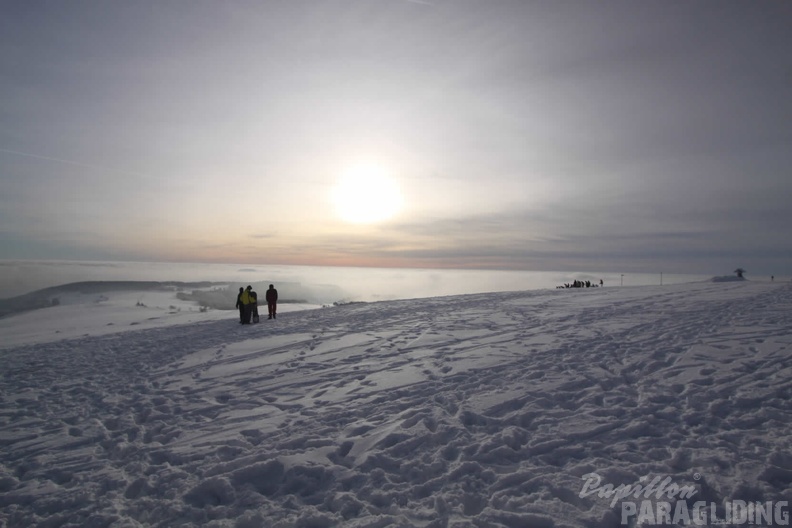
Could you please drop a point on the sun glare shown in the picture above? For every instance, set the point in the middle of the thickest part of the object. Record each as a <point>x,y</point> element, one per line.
<point>366,194</point>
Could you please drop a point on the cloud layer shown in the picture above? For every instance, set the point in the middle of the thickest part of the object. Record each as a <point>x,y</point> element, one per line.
<point>537,135</point>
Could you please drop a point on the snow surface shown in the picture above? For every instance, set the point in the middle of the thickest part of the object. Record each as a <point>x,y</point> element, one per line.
<point>475,410</point>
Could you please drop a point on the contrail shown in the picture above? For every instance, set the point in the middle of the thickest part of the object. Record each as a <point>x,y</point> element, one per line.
<point>68,162</point>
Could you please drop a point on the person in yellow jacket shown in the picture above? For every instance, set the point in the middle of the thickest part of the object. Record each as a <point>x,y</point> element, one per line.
<point>247,302</point>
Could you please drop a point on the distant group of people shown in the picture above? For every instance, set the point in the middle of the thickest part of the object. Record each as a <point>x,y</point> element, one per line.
<point>247,303</point>
<point>582,284</point>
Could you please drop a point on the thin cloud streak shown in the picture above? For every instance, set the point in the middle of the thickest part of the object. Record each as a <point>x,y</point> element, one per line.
<point>73,163</point>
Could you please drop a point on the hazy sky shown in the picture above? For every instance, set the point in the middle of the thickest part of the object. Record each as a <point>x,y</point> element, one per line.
<point>589,135</point>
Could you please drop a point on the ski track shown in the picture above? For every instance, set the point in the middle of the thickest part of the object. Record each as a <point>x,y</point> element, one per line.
<point>477,410</point>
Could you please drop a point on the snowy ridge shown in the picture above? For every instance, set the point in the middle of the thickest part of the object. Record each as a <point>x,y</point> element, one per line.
<point>477,410</point>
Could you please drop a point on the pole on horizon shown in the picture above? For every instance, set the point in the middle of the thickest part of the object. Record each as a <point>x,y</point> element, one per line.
<point>622,279</point>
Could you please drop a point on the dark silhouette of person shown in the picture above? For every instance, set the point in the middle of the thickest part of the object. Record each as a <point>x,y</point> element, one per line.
<point>241,306</point>
<point>272,302</point>
<point>254,306</point>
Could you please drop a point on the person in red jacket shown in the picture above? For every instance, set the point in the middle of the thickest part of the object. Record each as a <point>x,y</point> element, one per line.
<point>272,301</point>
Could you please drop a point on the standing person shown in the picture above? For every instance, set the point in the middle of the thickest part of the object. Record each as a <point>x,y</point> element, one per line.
<point>272,301</point>
<point>246,303</point>
<point>254,305</point>
<point>241,306</point>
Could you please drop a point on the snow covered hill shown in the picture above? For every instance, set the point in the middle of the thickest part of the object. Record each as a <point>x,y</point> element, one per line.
<point>521,409</point>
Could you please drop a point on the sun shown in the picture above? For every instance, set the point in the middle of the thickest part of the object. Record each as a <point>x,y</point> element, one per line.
<point>366,194</point>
